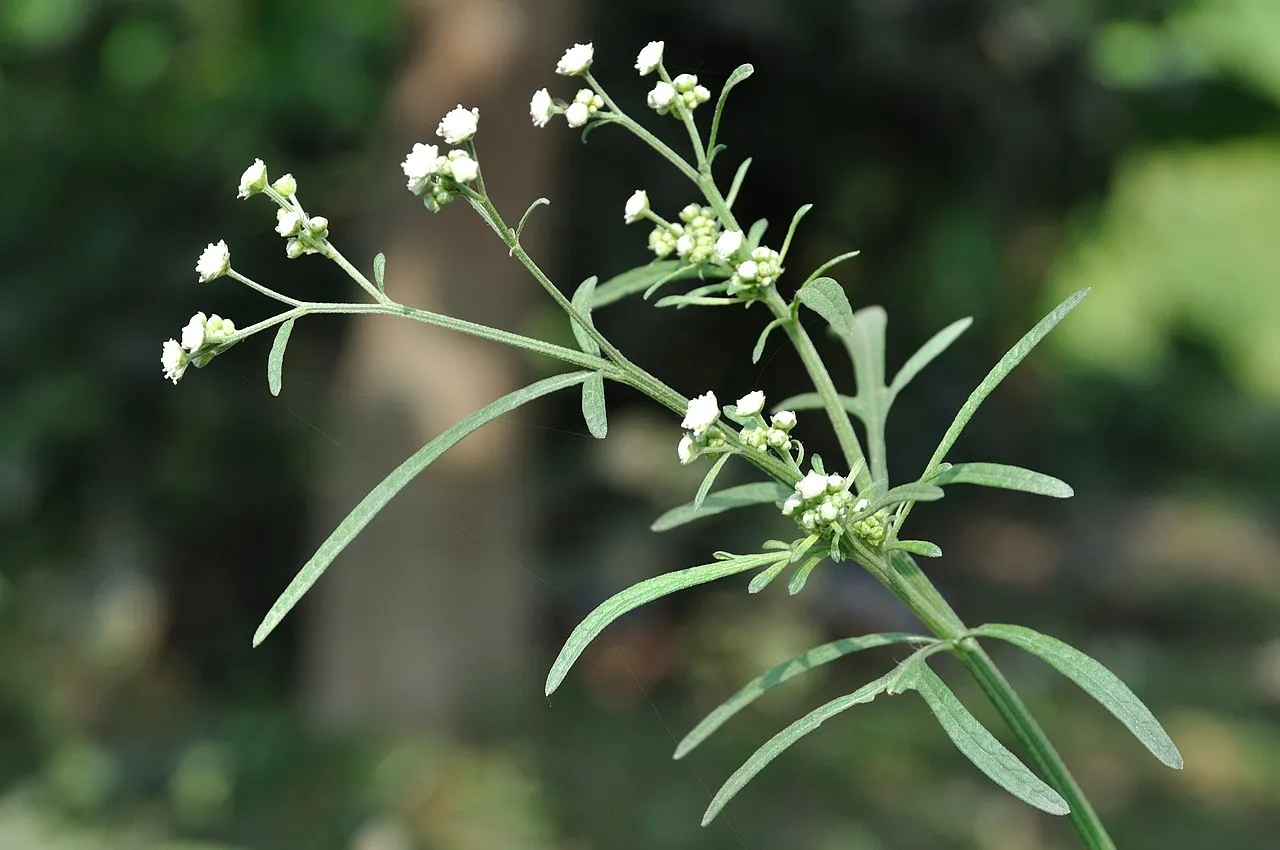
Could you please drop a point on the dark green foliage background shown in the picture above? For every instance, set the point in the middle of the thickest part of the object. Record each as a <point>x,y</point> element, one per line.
<point>970,148</point>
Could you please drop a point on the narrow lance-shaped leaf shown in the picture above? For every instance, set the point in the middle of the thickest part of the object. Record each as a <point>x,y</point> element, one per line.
<point>937,344</point>
<point>639,594</point>
<point>758,351</point>
<point>1001,370</point>
<point>797,730</point>
<point>813,401</point>
<point>827,298</point>
<point>1097,681</point>
<point>639,279</point>
<point>380,271</point>
<point>593,410</point>
<point>865,344</point>
<point>981,747</point>
<point>801,576</point>
<point>913,492</point>
<point>829,264</point>
<point>792,667</point>
<point>765,577</point>
<point>708,480</point>
<point>739,74</point>
<point>1004,477</point>
<point>916,547</point>
<point>583,298</point>
<point>380,495</point>
<point>744,495</point>
<point>736,185</point>
<point>755,234</point>
<point>275,360</point>
<point>791,231</point>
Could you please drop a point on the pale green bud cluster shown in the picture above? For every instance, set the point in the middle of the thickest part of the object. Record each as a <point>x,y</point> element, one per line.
<point>759,271</point>
<point>436,177</point>
<point>663,238</point>
<point>873,528</point>
<point>776,435</point>
<point>697,242</point>
<point>584,107</point>
<point>201,335</point>
<point>688,90</point>
<point>820,502</point>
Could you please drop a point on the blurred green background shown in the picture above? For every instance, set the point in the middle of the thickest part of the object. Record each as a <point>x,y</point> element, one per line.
<point>987,156</point>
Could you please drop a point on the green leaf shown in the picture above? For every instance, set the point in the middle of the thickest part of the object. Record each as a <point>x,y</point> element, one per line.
<point>593,410</point>
<point>764,578</point>
<point>741,496</point>
<point>639,279</point>
<point>1097,681</point>
<point>1005,477</point>
<point>767,681</point>
<point>738,177</point>
<point>865,344</point>
<point>937,344</point>
<point>918,547</point>
<point>981,747</point>
<point>826,298</point>
<point>739,74</point>
<point>529,211</point>
<point>791,231</point>
<point>779,742</point>
<point>755,234</point>
<point>801,576</point>
<point>275,360</point>
<point>829,264</point>
<point>998,374</point>
<point>758,351</point>
<point>583,298</point>
<point>380,495</point>
<point>679,301</point>
<point>708,480</point>
<point>813,401</point>
<point>639,594</point>
<point>916,491</point>
<point>380,271</point>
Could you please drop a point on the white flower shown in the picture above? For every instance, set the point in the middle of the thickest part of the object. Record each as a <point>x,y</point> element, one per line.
<point>286,186</point>
<point>214,261</point>
<point>660,98</point>
<point>728,244</point>
<point>650,58</point>
<point>317,226</point>
<point>834,483</point>
<point>464,168</point>
<point>541,108</point>
<point>458,125</point>
<point>420,166</point>
<point>685,83</point>
<point>784,420</point>
<point>701,413</point>
<point>861,505</point>
<point>193,333</point>
<point>751,403</point>
<point>576,60</point>
<point>812,485</point>
<point>294,249</point>
<point>637,206</point>
<point>684,245</point>
<point>828,512</point>
<point>687,450</point>
<point>577,114</point>
<point>701,94</point>
<point>173,359</point>
<point>254,179</point>
<point>791,504</point>
<point>288,222</point>
<point>748,269</point>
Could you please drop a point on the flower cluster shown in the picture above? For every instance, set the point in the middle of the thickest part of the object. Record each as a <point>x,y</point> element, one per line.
<point>438,177</point>
<point>701,413</point>
<point>776,434</point>
<point>694,240</point>
<point>684,89</point>
<point>214,262</point>
<point>199,337</point>
<point>586,104</point>
<point>823,504</point>
<point>758,272</point>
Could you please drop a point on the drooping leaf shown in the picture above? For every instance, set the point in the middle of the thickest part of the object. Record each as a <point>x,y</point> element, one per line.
<point>583,298</point>
<point>380,271</point>
<point>827,298</point>
<point>739,74</point>
<point>981,747</point>
<point>765,577</point>
<point>524,219</point>
<point>801,576</point>
<point>707,480</point>
<point>779,742</point>
<point>999,372</point>
<point>741,496</point>
<point>937,344</point>
<point>1004,477</point>
<point>639,279</point>
<point>917,547</point>
<point>865,343</point>
<point>736,185</point>
<point>639,594</point>
<point>772,678</point>
<point>380,495</point>
<point>791,231</point>
<point>758,351</point>
<point>1097,681</point>
<point>593,410</point>
<point>275,360</point>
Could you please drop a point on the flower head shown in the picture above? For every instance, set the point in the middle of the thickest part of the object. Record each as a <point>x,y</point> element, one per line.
<point>288,222</point>
<point>286,185</point>
<point>687,450</point>
<point>728,244</point>
<point>193,333</point>
<point>463,168</point>
<point>214,261</point>
<point>812,485</point>
<point>174,360</point>
<point>420,166</point>
<point>458,125</point>
<point>783,420</point>
<point>576,60</point>
<point>751,403</point>
<point>541,108</point>
<point>637,206</point>
<point>650,58</point>
<point>701,414</point>
<point>577,114</point>
<point>254,179</point>
<point>661,97</point>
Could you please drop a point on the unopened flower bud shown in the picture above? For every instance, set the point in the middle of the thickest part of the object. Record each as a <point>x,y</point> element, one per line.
<point>254,179</point>
<point>286,186</point>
